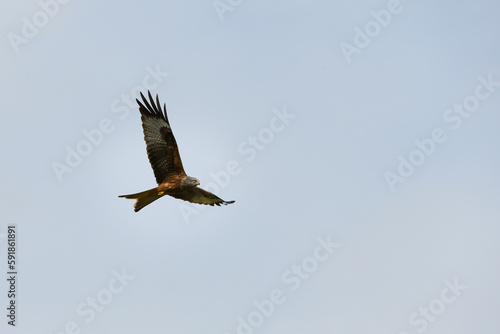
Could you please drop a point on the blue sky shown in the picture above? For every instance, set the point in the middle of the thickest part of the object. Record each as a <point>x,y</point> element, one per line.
<point>365,182</point>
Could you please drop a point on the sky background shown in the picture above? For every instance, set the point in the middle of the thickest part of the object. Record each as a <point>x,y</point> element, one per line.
<point>320,175</point>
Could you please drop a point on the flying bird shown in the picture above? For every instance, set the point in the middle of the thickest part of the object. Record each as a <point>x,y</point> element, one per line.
<point>165,160</point>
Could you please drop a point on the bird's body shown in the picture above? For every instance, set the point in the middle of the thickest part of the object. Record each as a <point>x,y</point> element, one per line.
<point>164,157</point>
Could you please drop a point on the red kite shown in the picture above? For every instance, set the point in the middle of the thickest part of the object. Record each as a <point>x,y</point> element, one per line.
<point>166,162</point>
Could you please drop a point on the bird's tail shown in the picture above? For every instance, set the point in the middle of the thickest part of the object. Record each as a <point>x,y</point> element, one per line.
<point>144,198</point>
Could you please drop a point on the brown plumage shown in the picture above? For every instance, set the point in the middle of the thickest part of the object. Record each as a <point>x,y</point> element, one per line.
<point>165,160</point>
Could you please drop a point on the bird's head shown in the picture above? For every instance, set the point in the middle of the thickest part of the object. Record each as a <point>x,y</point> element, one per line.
<point>190,182</point>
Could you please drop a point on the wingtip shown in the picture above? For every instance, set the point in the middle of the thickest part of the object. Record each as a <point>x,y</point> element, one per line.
<point>152,107</point>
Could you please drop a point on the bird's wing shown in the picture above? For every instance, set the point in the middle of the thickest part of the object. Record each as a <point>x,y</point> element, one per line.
<point>163,152</point>
<point>200,196</point>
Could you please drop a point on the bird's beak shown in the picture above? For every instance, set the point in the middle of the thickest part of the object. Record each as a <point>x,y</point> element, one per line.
<point>197,183</point>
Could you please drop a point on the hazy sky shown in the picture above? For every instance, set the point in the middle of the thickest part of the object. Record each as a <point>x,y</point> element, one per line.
<point>359,140</point>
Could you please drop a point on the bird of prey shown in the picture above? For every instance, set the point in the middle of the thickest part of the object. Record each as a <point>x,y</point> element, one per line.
<point>166,162</point>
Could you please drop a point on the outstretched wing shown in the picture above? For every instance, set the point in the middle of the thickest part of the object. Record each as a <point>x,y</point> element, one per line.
<point>200,196</point>
<point>162,148</point>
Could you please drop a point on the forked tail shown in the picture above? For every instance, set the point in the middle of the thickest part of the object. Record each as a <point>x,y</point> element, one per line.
<point>143,198</point>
